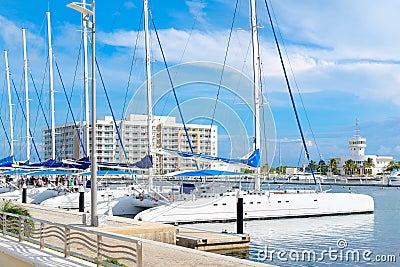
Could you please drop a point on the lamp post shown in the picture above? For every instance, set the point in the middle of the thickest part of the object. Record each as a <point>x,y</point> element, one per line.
<point>81,7</point>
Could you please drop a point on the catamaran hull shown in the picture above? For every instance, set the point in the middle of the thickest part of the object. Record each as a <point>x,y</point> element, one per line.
<point>260,205</point>
<point>117,200</point>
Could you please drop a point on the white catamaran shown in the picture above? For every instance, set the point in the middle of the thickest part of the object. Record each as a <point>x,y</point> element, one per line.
<point>258,204</point>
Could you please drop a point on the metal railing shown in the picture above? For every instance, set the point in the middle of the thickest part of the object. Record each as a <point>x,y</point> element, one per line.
<point>94,246</point>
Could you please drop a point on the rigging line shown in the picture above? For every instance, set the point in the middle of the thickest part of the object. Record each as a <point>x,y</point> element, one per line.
<point>223,67</point>
<point>23,113</point>
<point>173,89</point>
<point>1,103</point>
<point>40,102</point>
<point>69,107</point>
<point>184,51</point>
<point>39,107</point>
<point>72,88</point>
<point>190,33</point>
<point>295,82</point>
<point>5,132</point>
<point>291,96</point>
<point>300,157</point>
<point>131,67</point>
<point>112,112</point>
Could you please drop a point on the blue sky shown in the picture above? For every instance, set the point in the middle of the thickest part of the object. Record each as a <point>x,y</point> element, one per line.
<point>344,56</point>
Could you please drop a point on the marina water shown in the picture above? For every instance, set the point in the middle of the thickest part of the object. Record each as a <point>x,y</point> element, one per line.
<point>349,240</point>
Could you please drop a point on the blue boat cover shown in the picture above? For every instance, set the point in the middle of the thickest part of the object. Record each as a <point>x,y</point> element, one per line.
<point>16,172</point>
<point>253,160</point>
<point>106,172</point>
<point>208,173</point>
<point>51,172</point>
<point>7,161</point>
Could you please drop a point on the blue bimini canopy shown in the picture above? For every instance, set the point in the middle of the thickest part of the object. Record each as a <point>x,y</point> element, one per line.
<point>208,173</point>
<point>107,172</point>
<point>51,172</point>
<point>251,160</point>
<point>16,172</point>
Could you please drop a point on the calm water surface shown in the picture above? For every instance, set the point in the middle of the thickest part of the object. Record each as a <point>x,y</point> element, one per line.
<point>351,240</point>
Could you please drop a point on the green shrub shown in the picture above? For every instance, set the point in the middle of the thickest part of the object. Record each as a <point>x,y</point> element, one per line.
<point>13,221</point>
<point>115,262</point>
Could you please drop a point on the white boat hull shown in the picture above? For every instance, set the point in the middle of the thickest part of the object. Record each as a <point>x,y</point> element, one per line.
<point>260,205</point>
<point>120,201</point>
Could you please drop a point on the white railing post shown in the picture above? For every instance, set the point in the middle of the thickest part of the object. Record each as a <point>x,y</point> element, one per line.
<point>20,229</point>
<point>99,257</point>
<point>41,238</point>
<point>139,259</point>
<point>4,224</point>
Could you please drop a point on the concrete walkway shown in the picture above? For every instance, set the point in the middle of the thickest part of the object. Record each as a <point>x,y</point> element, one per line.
<point>154,253</point>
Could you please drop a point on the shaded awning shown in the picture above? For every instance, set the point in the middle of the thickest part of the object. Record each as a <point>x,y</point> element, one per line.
<point>51,172</point>
<point>107,172</point>
<point>16,172</point>
<point>207,173</point>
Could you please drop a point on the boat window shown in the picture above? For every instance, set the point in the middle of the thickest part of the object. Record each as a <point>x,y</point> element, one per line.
<point>251,202</point>
<point>279,201</point>
<point>223,204</point>
<point>315,200</point>
<point>258,202</point>
<point>287,201</point>
<point>215,204</point>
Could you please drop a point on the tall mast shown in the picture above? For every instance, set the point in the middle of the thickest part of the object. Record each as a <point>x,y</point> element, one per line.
<point>149,100</point>
<point>51,87</point>
<point>9,104</point>
<point>256,86</point>
<point>86,79</point>
<point>93,155</point>
<point>28,141</point>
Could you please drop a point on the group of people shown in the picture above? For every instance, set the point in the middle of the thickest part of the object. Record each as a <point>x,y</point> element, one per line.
<point>36,182</point>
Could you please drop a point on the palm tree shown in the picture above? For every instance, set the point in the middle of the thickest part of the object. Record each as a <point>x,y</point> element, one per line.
<point>313,164</point>
<point>367,165</point>
<point>333,166</point>
<point>392,165</point>
<point>350,166</point>
<point>322,167</point>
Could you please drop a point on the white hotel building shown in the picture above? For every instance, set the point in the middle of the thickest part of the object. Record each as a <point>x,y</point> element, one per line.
<point>167,133</point>
<point>357,146</point>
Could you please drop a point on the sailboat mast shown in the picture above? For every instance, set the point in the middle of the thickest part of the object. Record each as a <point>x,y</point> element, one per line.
<point>149,100</point>
<point>51,87</point>
<point>9,104</point>
<point>28,141</point>
<point>256,86</point>
<point>86,78</point>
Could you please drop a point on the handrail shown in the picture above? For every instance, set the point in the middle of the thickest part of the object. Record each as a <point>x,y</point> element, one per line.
<point>94,246</point>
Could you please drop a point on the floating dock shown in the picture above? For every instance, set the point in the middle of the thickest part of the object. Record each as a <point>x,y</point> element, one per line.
<point>211,241</point>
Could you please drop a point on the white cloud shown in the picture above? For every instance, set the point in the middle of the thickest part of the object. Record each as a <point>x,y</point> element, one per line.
<point>9,32</point>
<point>196,8</point>
<point>129,5</point>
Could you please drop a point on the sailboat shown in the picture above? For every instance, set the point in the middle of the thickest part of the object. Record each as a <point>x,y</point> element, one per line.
<point>124,200</point>
<point>258,203</point>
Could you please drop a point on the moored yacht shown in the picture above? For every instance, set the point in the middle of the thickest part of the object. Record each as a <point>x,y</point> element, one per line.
<point>257,203</point>
<point>394,175</point>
